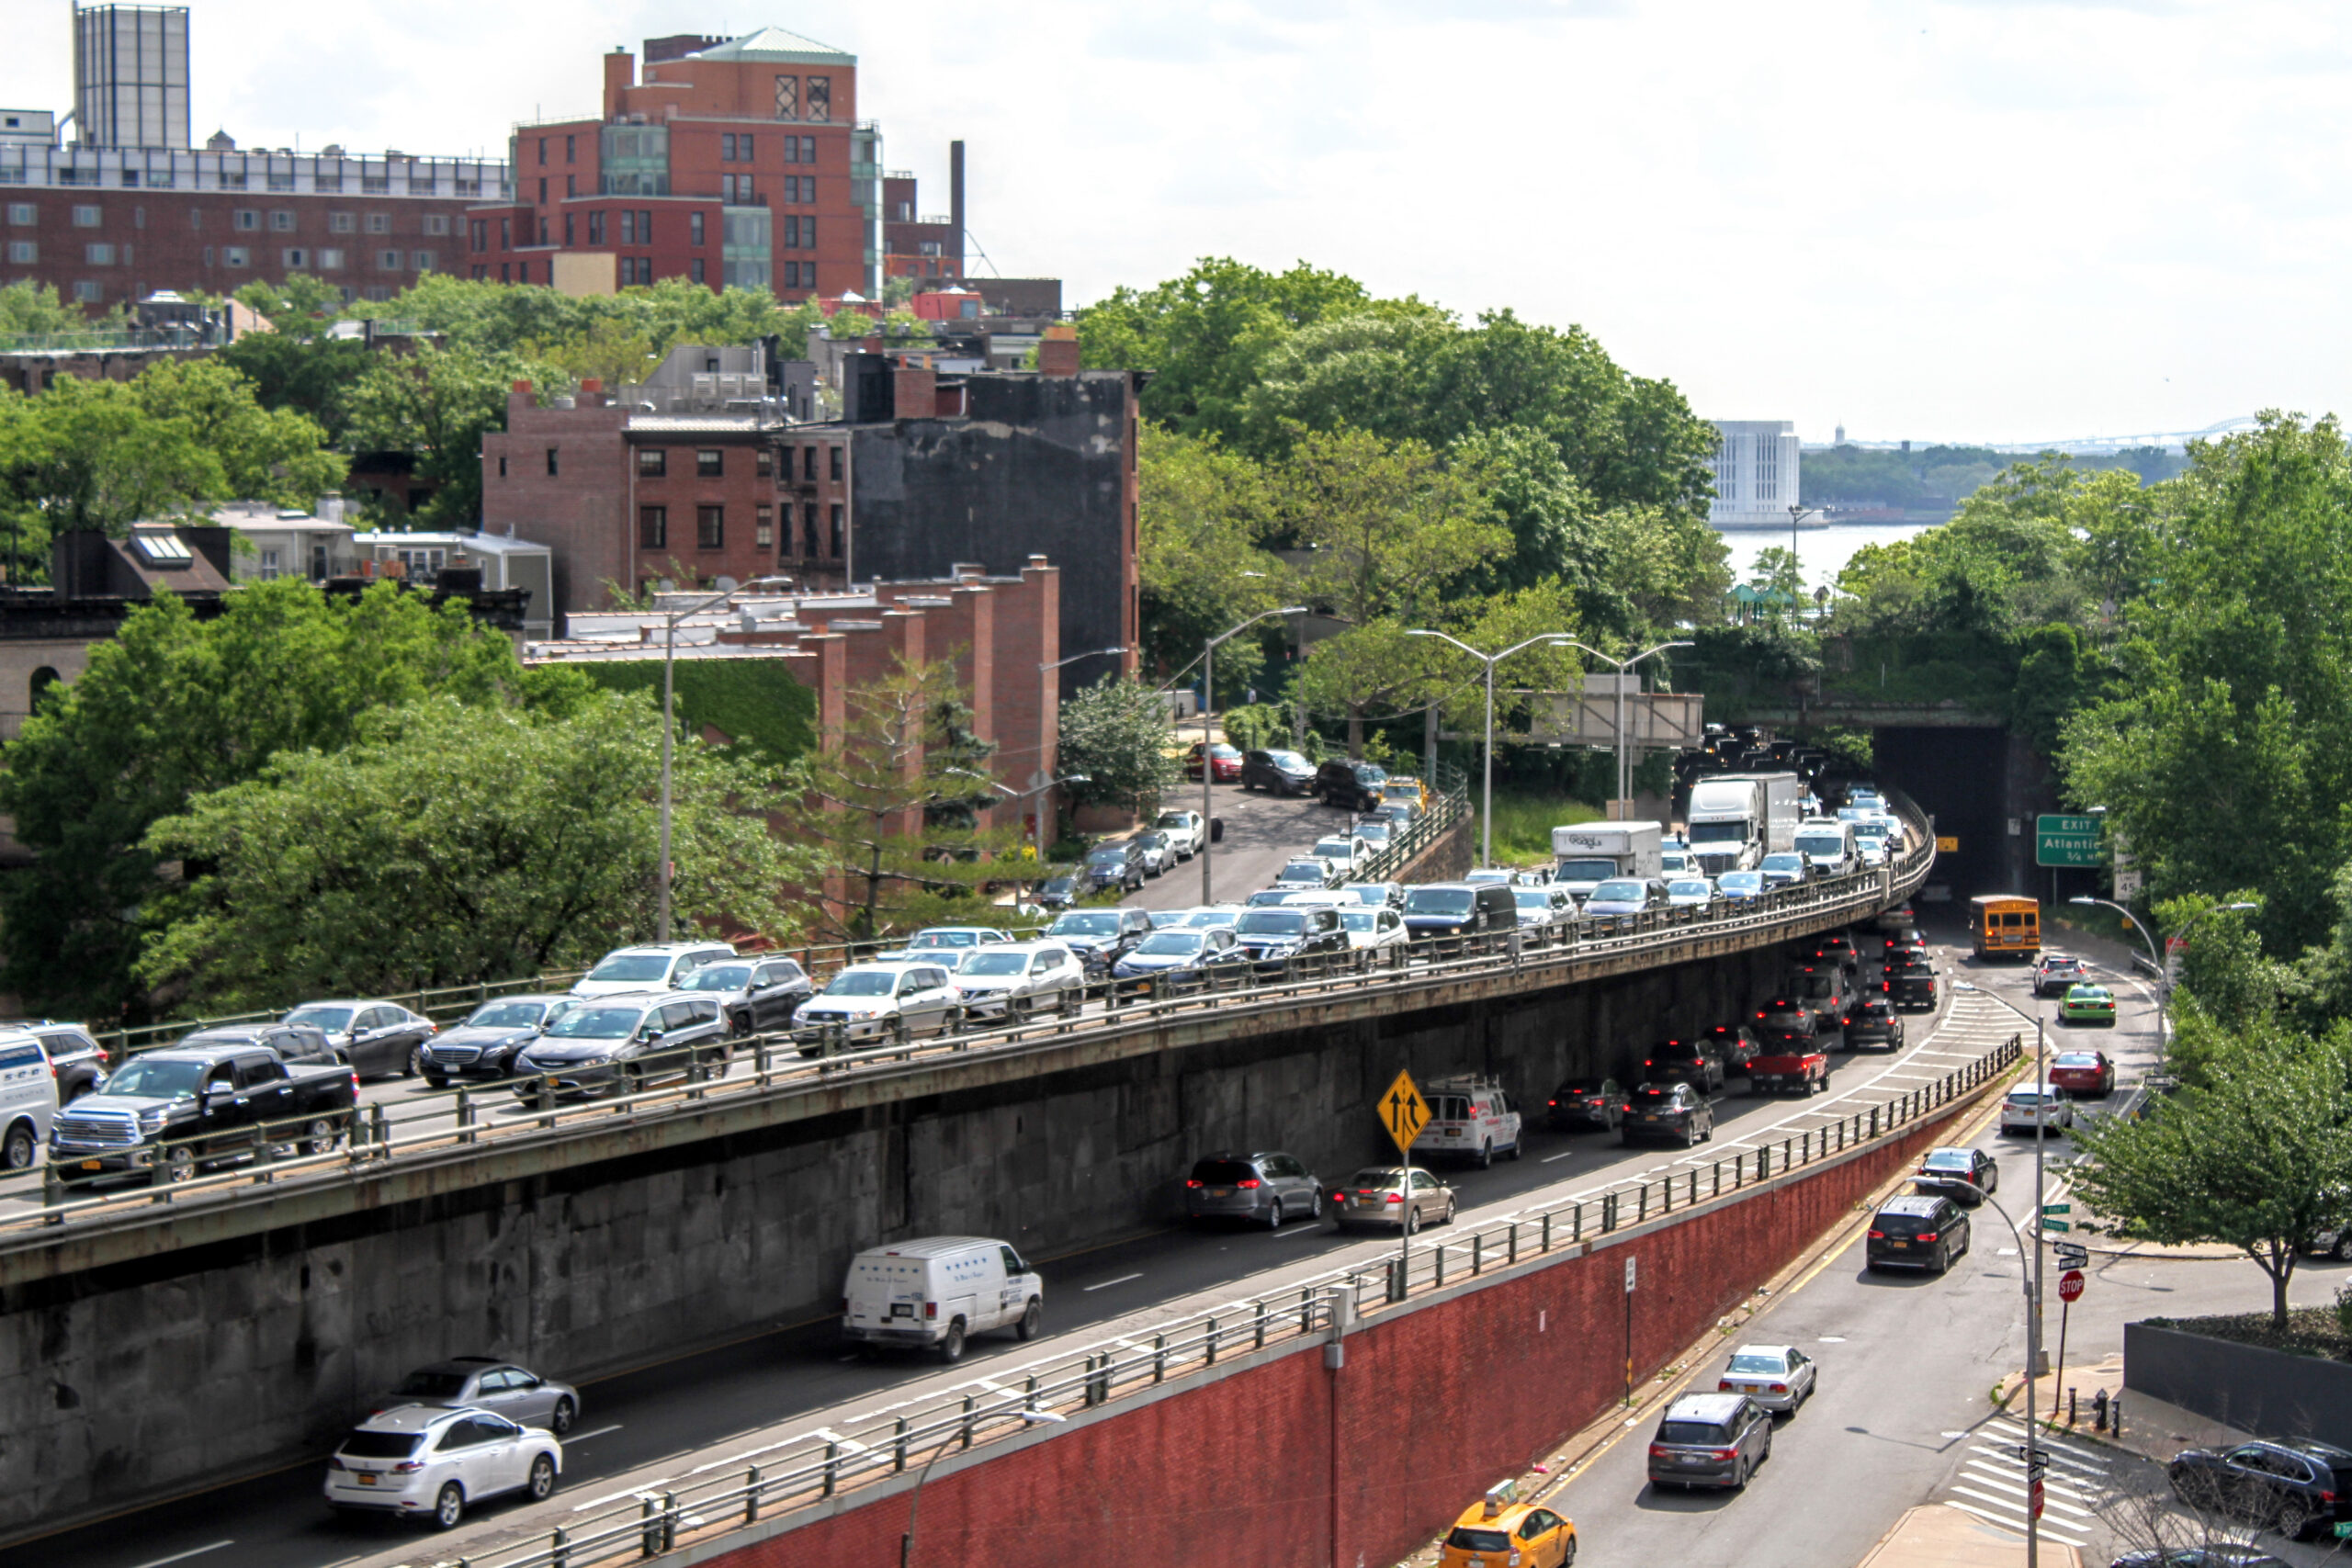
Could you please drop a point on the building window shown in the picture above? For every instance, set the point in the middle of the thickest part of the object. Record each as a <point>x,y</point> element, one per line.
<point>387,260</point>
<point>595,228</point>
<point>552,461</point>
<point>807,149</point>
<point>1768,468</point>
<point>236,256</point>
<point>726,148</point>
<point>543,152</point>
<point>763,464</point>
<point>88,293</point>
<point>245,220</point>
<point>694,228</point>
<point>572,148</point>
<point>711,527</point>
<point>281,222</point>
<point>294,256</point>
<point>628,227</point>
<point>139,221</point>
<point>645,228</point>
<point>710,464</point>
<point>543,190</point>
<point>570,186</point>
<point>208,255</point>
<point>792,148</point>
<point>506,233</point>
<point>341,223</point>
<point>436,222</point>
<point>23,214</point>
<point>501,465</point>
<point>522,271</point>
<point>694,270</point>
<point>330,260</point>
<point>837,531</point>
<point>422,260</point>
<point>809,527</point>
<point>833,459</point>
<point>763,528</point>
<point>504,270</point>
<point>653,528</point>
<point>568,239</point>
<point>652,462</point>
<point>820,97</point>
<point>87,218</point>
<point>379,223</point>
<point>808,237</point>
<point>744,153</point>
<point>23,253</point>
<point>99,255</point>
<point>269,572</point>
<point>787,97</point>
<point>809,463</point>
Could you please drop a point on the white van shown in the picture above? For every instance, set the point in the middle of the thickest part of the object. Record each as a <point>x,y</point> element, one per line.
<point>1828,846</point>
<point>28,1098</point>
<point>1469,1117</point>
<point>936,1293</point>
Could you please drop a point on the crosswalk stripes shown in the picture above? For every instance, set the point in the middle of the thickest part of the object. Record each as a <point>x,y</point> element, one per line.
<point>1991,1483</point>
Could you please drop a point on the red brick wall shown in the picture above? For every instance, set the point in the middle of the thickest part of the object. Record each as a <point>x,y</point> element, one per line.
<point>1432,1406</point>
<point>581,511</point>
<point>170,238</point>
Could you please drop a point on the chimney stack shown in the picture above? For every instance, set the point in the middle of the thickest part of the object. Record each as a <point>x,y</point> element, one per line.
<point>956,199</point>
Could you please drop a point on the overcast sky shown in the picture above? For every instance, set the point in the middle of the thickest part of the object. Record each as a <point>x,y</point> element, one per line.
<point>1971,220</point>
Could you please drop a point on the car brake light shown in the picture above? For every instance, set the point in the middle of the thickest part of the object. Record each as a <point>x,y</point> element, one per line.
<point>1723,1385</point>
<point>334,1461</point>
<point>1780,1388</point>
<point>931,1309</point>
<point>1927,1235</point>
<point>408,1467</point>
<point>1552,1103</point>
<point>1878,1236</point>
<point>1722,1453</point>
<point>1395,1197</point>
<point>1252,1182</point>
<point>1657,1451</point>
<point>845,1306</point>
<point>1191,1184</point>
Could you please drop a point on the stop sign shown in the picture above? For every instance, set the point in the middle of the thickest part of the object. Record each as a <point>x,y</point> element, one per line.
<point>2069,1285</point>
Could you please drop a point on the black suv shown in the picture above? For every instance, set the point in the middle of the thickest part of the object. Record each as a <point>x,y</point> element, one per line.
<point>1586,1102</point>
<point>1785,1024</point>
<point>1684,1061</point>
<point>1117,865</point>
<point>1271,937</point>
<point>1355,785</point>
<point>2292,1486</point>
<point>1958,1172</point>
<point>1283,773</point>
<point>1909,980</point>
<point>1668,1111</point>
<point>1734,1042</point>
<point>1874,1022</point>
<point>1916,1233</point>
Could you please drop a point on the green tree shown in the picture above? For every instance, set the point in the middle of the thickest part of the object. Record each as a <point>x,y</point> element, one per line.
<point>87,455</point>
<point>301,308</point>
<point>437,405</point>
<point>172,707</point>
<point>264,454</point>
<point>29,307</point>
<point>448,845</point>
<point>887,809</point>
<point>1118,734</point>
<point>1205,514</point>
<point>2255,1158</point>
<point>312,377</point>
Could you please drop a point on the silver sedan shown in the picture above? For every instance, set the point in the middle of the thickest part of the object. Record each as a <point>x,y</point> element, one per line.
<point>1378,1196</point>
<point>487,1384</point>
<point>1777,1377</point>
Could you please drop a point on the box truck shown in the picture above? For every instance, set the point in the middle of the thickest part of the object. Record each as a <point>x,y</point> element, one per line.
<point>1736,819</point>
<point>1589,854</point>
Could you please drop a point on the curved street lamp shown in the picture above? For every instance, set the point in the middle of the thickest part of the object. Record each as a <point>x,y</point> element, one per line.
<point>1487,811</point>
<point>1027,1415</point>
<point>1208,700</point>
<point>1625,778</point>
<point>2164,975</point>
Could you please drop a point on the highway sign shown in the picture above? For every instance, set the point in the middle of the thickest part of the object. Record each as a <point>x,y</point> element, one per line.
<point>1946,843</point>
<point>2065,840</point>
<point>2069,1285</point>
<point>1629,1274</point>
<point>1404,1112</point>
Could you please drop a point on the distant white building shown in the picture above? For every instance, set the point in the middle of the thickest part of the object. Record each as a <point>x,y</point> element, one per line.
<point>1755,473</point>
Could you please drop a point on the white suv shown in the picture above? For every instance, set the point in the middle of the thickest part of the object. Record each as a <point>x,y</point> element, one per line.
<point>870,1001</point>
<point>655,966</point>
<point>1015,979</point>
<point>1184,831</point>
<point>426,1461</point>
<point>1470,1117</point>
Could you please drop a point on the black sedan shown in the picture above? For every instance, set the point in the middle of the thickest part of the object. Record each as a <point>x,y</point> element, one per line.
<point>1683,1061</point>
<point>484,1046</point>
<point>2292,1486</point>
<point>1965,1174</point>
<point>1280,773</point>
<point>1671,1111</point>
<point>1735,1044</point>
<point>373,1038</point>
<point>1586,1103</point>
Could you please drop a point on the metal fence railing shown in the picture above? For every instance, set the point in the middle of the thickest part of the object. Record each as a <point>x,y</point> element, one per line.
<point>810,1062</point>
<point>815,1467</point>
<point>1451,805</point>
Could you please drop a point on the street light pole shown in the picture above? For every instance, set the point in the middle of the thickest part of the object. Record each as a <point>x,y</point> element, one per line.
<point>1032,1417</point>
<point>1208,760</point>
<point>1625,774</point>
<point>669,661</point>
<point>1036,818</point>
<point>1487,811</point>
<point>2032,1348</point>
<point>2164,974</point>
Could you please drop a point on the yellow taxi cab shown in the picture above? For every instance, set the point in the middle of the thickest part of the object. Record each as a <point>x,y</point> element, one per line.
<point>1500,1531</point>
<point>1405,787</point>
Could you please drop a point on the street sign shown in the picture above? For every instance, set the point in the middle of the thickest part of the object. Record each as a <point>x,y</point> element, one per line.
<point>2049,1225</point>
<point>1629,1274</point>
<point>2065,840</point>
<point>2057,1208</point>
<point>2128,885</point>
<point>2069,1285</point>
<point>2071,1256</point>
<point>1404,1112</point>
<point>1946,843</point>
<point>2344,1530</point>
<point>2033,1496</point>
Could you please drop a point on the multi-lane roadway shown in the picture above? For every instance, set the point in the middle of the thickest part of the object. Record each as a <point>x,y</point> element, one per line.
<point>674,1415</point>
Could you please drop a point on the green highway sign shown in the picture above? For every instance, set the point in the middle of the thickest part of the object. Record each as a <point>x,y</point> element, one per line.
<point>2057,1208</point>
<point>2065,840</point>
<point>2056,1225</point>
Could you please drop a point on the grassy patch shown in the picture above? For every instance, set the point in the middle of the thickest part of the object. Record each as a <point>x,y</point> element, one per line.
<point>1523,823</point>
<point>2310,1331</point>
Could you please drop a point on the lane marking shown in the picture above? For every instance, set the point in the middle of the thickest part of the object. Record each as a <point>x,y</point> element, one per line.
<point>1108,1283</point>
<point>183,1556</point>
<point>1547,1159</point>
<point>583,1437</point>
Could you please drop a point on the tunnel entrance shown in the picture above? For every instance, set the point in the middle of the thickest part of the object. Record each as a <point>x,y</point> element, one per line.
<point>1958,776</point>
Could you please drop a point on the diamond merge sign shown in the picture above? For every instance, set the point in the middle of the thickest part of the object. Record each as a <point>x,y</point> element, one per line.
<point>2065,840</point>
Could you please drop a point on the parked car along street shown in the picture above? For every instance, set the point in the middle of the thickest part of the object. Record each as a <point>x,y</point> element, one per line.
<point>1279,772</point>
<point>1119,866</point>
<point>1226,761</point>
<point>2294,1486</point>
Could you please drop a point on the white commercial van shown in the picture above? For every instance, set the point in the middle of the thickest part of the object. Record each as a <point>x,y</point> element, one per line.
<point>1828,846</point>
<point>936,1293</point>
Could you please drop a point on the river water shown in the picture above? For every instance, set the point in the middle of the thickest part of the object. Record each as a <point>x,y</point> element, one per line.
<point>1824,552</point>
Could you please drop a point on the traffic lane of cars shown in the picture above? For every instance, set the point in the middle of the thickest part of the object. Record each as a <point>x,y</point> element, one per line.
<point>1262,833</point>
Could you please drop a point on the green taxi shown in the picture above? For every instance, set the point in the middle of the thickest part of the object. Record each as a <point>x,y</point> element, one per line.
<point>2087,1004</point>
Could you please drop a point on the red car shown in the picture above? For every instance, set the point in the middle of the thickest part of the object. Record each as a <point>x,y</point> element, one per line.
<point>2084,1072</point>
<point>1225,760</point>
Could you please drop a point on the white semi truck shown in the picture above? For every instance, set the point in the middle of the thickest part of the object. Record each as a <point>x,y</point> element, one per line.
<point>1736,819</point>
<point>1589,854</point>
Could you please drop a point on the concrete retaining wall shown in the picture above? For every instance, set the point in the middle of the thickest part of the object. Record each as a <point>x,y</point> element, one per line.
<point>2269,1392</point>
<point>126,1381</point>
<point>1309,1467</point>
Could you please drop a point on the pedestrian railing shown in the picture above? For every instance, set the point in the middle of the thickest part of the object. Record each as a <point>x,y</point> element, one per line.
<point>691,1081</point>
<point>815,1467</point>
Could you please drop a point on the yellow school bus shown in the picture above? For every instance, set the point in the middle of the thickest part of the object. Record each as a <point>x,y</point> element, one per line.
<point>2004,925</point>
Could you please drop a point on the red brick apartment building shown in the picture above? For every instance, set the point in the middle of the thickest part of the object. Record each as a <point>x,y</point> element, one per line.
<point>733,161</point>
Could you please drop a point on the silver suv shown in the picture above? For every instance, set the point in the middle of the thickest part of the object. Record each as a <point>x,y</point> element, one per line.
<point>617,1045</point>
<point>1264,1188</point>
<point>1013,979</point>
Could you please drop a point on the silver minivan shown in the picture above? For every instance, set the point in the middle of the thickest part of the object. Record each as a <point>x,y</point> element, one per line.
<point>27,1099</point>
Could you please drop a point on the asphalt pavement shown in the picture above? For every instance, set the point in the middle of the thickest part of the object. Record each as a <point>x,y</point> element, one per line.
<point>1262,833</point>
<point>661,1422</point>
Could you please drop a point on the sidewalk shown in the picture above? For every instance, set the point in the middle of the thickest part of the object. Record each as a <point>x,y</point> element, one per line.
<point>2151,1428</point>
<point>1940,1536</point>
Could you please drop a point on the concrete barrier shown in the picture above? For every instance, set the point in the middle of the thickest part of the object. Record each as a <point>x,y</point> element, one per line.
<point>2272,1394</point>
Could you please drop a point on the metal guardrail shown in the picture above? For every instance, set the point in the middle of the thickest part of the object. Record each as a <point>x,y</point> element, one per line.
<point>813,1469</point>
<point>1453,803</point>
<point>784,1064</point>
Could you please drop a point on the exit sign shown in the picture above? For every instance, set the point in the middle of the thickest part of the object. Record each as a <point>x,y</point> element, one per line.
<point>2065,840</point>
